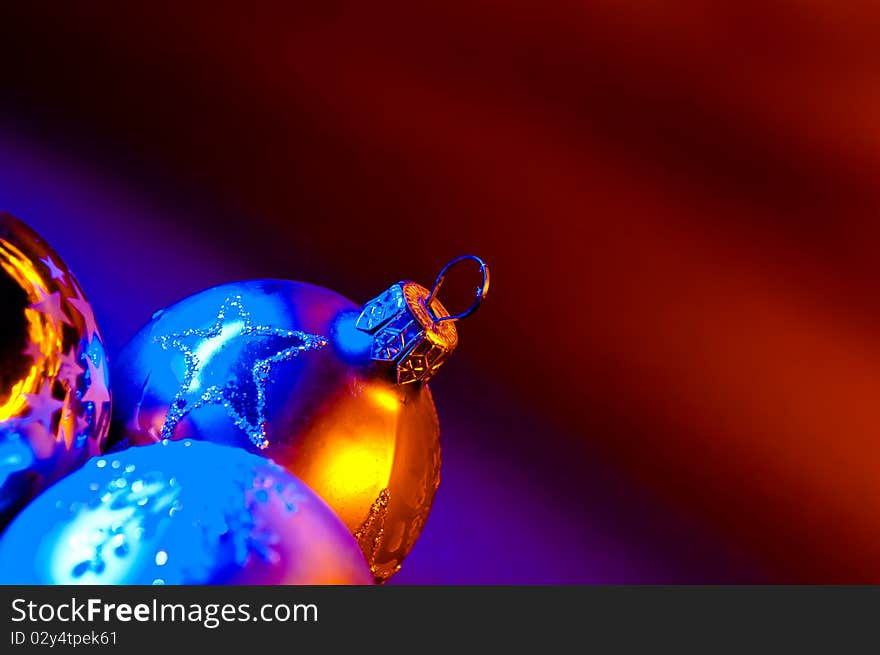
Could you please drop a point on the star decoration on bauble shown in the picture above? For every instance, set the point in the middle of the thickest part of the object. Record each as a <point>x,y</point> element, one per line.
<point>54,271</point>
<point>43,405</point>
<point>81,424</point>
<point>229,364</point>
<point>70,368</point>
<point>85,309</point>
<point>97,391</point>
<point>51,305</point>
<point>33,351</point>
<point>72,428</point>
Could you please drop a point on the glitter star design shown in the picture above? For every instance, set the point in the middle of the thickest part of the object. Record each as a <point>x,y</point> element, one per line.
<point>85,310</point>
<point>43,405</point>
<point>239,386</point>
<point>51,305</point>
<point>54,271</point>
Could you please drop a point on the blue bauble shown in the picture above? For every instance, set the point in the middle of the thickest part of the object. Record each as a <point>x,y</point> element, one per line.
<point>180,513</point>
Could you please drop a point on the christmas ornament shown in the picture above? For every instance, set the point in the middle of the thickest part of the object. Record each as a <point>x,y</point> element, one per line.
<point>180,513</point>
<point>334,392</point>
<point>54,395</point>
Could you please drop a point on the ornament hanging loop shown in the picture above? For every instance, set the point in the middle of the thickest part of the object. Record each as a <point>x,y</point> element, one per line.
<point>411,328</point>
<point>481,293</point>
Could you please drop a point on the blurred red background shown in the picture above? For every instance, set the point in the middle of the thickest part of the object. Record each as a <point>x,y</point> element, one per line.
<point>679,363</point>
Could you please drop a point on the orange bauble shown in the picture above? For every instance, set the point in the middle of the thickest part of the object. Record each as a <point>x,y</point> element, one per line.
<point>334,392</point>
<point>54,389</point>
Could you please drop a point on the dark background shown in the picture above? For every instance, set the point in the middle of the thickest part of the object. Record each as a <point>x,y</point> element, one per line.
<point>675,377</point>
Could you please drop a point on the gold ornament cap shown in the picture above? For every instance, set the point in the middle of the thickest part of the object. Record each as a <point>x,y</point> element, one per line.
<point>412,329</point>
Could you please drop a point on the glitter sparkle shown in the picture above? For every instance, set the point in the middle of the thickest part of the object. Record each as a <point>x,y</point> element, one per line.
<point>209,378</point>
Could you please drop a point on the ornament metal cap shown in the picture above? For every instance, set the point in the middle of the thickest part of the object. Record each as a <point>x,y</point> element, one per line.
<point>412,329</point>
